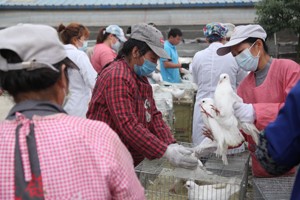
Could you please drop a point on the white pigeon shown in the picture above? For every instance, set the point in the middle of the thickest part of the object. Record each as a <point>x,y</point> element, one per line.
<point>221,191</point>
<point>224,98</point>
<point>211,122</point>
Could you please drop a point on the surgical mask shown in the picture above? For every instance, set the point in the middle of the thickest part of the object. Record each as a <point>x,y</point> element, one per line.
<point>247,61</point>
<point>84,46</point>
<point>116,46</point>
<point>146,69</point>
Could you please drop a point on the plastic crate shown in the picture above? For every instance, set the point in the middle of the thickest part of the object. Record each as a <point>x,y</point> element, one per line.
<point>183,124</point>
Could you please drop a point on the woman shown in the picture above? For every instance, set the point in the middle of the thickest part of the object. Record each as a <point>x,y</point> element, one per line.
<point>109,40</point>
<point>207,67</point>
<point>46,154</point>
<point>279,147</point>
<point>265,89</point>
<point>82,81</point>
<point>123,99</point>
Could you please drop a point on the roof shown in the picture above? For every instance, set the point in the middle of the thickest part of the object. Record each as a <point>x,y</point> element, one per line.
<point>117,4</point>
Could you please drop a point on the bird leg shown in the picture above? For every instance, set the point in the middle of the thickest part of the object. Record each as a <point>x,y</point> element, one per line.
<point>215,109</point>
<point>205,112</point>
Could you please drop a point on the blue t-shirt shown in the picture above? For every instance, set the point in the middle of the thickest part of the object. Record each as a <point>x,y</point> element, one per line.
<point>171,75</point>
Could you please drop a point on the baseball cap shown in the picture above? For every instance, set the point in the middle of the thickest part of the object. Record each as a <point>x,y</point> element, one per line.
<point>151,36</point>
<point>241,33</point>
<point>214,29</point>
<point>37,45</point>
<point>116,30</point>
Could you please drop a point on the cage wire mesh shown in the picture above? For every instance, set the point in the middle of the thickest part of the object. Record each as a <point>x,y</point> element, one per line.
<point>215,181</point>
<point>276,188</point>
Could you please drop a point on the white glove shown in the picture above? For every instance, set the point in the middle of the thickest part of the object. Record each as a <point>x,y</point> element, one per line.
<point>180,156</point>
<point>244,112</point>
<point>157,77</point>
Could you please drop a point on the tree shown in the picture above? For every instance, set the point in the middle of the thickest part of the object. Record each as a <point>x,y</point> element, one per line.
<point>276,15</point>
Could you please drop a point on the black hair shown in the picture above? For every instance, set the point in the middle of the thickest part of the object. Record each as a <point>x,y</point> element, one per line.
<point>101,37</point>
<point>126,50</point>
<point>251,40</point>
<point>174,32</point>
<point>21,81</point>
<point>214,38</point>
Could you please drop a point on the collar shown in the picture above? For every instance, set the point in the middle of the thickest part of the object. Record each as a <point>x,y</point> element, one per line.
<point>30,108</point>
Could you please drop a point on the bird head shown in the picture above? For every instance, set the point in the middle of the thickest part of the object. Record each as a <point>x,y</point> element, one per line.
<point>190,185</point>
<point>223,77</point>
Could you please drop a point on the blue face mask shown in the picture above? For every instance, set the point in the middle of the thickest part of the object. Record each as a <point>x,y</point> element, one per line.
<point>84,46</point>
<point>247,61</point>
<point>146,69</point>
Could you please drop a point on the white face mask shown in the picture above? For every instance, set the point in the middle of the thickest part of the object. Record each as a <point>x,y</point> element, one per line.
<point>116,46</point>
<point>247,61</point>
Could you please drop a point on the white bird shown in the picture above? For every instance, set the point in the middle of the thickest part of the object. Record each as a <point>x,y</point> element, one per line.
<point>224,98</point>
<point>209,116</point>
<point>221,191</point>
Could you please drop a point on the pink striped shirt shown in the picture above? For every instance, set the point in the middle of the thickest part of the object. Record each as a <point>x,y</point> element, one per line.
<point>79,159</point>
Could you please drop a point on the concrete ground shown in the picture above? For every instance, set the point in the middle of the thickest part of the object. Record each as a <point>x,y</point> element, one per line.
<point>5,105</point>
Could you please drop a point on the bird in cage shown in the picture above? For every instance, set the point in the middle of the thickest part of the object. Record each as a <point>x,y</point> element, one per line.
<point>220,191</point>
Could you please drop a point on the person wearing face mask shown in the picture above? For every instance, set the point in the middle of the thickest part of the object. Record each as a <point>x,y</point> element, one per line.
<point>46,153</point>
<point>108,43</point>
<point>82,81</point>
<point>207,67</point>
<point>123,99</point>
<point>267,85</point>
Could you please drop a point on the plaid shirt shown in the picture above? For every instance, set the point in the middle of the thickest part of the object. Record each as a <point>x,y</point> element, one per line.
<point>125,102</point>
<point>79,159</point>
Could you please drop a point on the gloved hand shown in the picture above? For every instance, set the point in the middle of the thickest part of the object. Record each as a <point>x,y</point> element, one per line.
<point>244,112</point>
<point>180,156</point>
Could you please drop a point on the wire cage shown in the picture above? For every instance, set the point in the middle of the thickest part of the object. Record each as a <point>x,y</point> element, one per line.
<point>214,181</point>
<point>276,188</point>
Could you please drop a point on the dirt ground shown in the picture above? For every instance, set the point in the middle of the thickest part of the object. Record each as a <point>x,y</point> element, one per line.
<point>5,105</point>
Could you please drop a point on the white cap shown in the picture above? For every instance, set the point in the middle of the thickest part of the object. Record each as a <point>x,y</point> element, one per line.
<point>117,31</point>
<point>37,45</point>
<point>241,33</point>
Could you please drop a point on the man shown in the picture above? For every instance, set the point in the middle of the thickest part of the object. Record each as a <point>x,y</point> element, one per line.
<point>170,69</point>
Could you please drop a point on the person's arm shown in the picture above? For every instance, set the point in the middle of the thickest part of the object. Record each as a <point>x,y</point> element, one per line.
<point>87,71</point>
<point>121,104</point>
<point>170,64</point>
<point>279,146</point>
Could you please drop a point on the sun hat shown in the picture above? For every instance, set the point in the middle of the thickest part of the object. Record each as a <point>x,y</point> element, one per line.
<point>241,33</point>
<point>37,45</point>
<point>151,36</point>
<point>117,31</point>
<point>230,28</point>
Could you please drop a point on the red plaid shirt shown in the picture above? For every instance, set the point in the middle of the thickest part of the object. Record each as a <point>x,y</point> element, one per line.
<point>79,159</point>
<point>125,102</point>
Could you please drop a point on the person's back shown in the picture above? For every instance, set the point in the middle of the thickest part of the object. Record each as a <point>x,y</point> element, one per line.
<point>82,81</point>
<point>207,67</point>
<point>45,153</point>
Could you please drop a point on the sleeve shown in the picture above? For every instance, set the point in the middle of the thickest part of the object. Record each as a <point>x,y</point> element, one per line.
<point>283,134</point>
<point>266,160</point>
<point>160,128</point>
<point>168,50</point>
<point>87,71</point>
<point>120,99</point>
<point>124,182</point>
<point>267,112</point>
